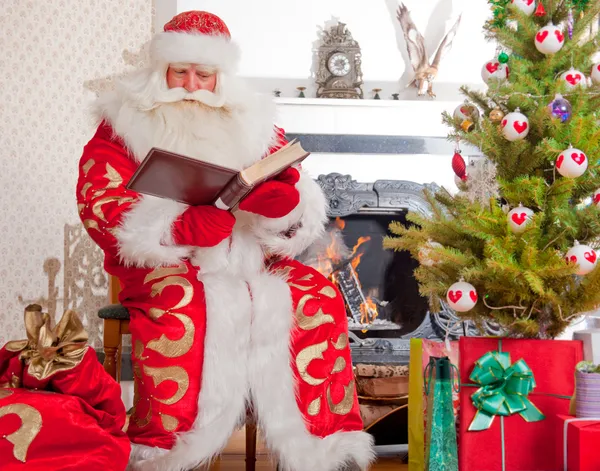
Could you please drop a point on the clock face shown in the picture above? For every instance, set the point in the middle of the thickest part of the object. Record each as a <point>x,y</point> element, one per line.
<point>339,64</point>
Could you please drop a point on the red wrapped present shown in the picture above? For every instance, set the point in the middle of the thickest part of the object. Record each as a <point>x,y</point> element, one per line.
<point>577,443</point>
<point>516,384</point>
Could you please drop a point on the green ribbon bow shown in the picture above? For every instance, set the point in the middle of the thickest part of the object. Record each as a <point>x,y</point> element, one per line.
<point>503,390</point>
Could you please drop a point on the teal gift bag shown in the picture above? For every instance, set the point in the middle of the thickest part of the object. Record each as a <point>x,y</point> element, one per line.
<point>441,452</point>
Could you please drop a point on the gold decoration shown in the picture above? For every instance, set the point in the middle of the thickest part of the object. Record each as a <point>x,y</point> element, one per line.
<point>87,166</point>
<point>175,348</point>
<point>306,277</point>
<point>97,207</point>
<point>15,382</point>
<point>170,373</point>
<point>80,208</point>
<point>91,224</point>
<point>339,366</point>
<point>342,341</point>
<point>188,289</point>
<point>48,350</point>
<point>496,116</point>
<point>304,358</point>
<point>314,407</point>
<point>300,287</point>
<point>162,272</point>
<point>329,291</point>
<point>115,179</point>
<point>4,393</point>
<point>311,322</point>
<point>31,424</point>
<point>283,273</point>
<point>169,422</point>
<point>345,405</point>
<point>138,350</point>
<point>85,189</point>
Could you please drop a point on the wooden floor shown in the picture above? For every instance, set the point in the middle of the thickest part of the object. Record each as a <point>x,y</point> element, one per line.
<point>233,458</point>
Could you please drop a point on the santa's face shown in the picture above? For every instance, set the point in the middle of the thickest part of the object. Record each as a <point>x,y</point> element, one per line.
<point>191,77</point>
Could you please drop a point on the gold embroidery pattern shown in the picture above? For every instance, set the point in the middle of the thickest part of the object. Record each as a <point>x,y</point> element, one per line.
<point>345,406</point>
<point>314,407</point>
<point>311,322</point>
<point>170,373</point>
<point>328,291</point>
<point>87,166</point>
<point>114,178</point>
<point>4,393</point>
<point>339,366</point>
<point>91,224</point>
<point>97,207</point>
<point>138,350</point>
<point>31,424</point>
<point>188,289</point>
<point>342,341</point>
<point>169,423</point>
<point>175,348</point>
<point>161,272</point>
<point>304,358</point>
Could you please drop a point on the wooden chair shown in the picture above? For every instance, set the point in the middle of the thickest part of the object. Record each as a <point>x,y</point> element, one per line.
<point>116,325</point>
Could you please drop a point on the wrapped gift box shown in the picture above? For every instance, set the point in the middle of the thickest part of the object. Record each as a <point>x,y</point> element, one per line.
<point>510,443</point>
<point>579,438</point>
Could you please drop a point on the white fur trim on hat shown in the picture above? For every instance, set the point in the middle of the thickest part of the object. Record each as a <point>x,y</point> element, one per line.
<point>215,51</point>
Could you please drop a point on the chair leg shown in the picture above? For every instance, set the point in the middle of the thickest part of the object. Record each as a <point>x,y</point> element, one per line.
<point>112,346</point>
<point>250,446</point>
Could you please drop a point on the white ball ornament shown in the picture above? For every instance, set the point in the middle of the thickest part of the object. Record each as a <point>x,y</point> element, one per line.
<point>425,253</point>
<point>462,296</point>
<point>515,126</point>
<point>519,218</point>
<point>596,200</point>
<point>494,70</point>
<point>571,163</point>
<point>573,79</point>
<point>526,6</point>
<point>584,256</point>
<point>550,39</point>
<point>595,74</point>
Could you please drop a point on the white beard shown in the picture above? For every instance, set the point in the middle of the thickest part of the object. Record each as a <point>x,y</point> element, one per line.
<point>234,127</point>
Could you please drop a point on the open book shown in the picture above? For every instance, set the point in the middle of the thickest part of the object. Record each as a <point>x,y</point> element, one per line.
<point>194,182</point>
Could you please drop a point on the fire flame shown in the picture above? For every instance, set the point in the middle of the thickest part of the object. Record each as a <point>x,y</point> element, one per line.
<point>332,257</point>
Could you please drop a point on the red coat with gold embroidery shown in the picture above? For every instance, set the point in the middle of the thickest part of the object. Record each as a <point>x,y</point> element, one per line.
<point>213,328</point>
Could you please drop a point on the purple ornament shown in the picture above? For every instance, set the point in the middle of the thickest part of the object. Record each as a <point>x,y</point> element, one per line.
<point>560,108</point>
<point>570,23</point>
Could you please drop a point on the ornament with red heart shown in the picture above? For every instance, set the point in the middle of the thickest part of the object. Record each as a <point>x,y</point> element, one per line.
<point>466,111</point>
<point>425,253</point>
<point>584,256</point>
<point>550,39</point>
<point>595,74</point>
<point>519,218</point>
<point>573,78</point>
<point>462,296</point>
<point>596,200</point>
<point>526,6</point>
<point>494,70</point>
<point>515,126</point>
<point>571,163</point>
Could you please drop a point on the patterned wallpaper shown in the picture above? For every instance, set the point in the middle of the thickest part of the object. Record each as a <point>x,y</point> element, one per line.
<point>56,55</point>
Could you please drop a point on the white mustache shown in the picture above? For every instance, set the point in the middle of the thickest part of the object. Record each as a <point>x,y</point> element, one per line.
<point>179,94</point>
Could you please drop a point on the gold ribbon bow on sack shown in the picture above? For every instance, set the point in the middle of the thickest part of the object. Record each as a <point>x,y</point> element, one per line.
<point>48,350</point>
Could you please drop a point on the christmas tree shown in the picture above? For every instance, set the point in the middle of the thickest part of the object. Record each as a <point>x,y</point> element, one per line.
<point>524,257</point>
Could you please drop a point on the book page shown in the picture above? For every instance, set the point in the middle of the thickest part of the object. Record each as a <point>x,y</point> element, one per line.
<point>271,165</point>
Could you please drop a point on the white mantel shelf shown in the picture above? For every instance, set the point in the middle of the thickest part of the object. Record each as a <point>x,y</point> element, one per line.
<point>419,117</point>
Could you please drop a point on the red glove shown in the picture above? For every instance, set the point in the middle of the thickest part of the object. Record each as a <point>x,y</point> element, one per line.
<point>274,198</point>
<point>203,226</point>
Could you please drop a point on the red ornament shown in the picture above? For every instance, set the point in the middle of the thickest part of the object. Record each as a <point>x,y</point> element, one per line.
<point>459,166</point>
<point>540,10</point>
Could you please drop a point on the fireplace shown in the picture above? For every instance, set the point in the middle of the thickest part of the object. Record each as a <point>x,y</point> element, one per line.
<point>383,303</point>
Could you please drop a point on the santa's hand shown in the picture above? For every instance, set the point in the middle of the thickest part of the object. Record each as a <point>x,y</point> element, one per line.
<point>274,198</point>
<point>203,226</point>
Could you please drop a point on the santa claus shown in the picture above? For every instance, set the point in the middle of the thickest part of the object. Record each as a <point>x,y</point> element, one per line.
<point>222,316</point>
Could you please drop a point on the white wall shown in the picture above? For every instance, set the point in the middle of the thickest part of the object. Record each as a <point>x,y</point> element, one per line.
<point>277,38</point>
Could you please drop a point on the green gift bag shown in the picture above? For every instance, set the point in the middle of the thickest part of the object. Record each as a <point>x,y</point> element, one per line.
<point>441,452</point>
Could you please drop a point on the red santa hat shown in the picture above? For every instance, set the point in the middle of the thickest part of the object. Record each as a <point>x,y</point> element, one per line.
<point>196,37</point>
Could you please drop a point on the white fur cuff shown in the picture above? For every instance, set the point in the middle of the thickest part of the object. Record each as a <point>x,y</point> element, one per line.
<point>144,236</point>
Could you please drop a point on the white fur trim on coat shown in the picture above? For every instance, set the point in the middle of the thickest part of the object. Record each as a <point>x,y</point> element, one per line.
<point>145,236</point>
<point>309,217</point>
<point>215,51</point>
